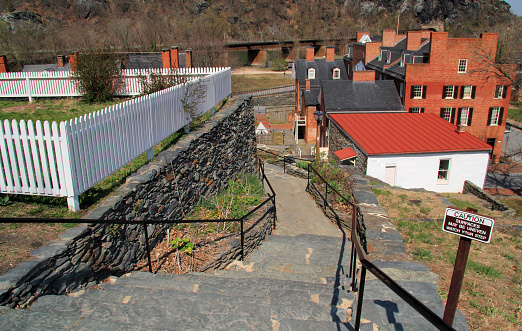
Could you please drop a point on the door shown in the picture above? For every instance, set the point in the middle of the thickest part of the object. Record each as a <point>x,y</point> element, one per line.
<point>389,174</point>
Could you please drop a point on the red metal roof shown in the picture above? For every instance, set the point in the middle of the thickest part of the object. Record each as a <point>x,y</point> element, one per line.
<point>346,153</point>
<point>403,133</point>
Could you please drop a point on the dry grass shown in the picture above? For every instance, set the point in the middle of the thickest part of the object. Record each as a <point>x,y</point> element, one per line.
<point>242,83</point>
<point>491,295</point>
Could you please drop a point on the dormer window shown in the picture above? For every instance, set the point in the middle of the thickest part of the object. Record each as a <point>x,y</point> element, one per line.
<point>337,73</point>
<point>311,73</point>
<point>389,57</point>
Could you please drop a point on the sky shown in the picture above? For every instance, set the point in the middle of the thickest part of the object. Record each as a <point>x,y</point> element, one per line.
<point>516,6</point>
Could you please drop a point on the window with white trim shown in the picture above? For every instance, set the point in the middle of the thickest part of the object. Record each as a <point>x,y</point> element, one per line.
<point>467,91</point>
<point>449,92</point>
<point>415,110</point>
<point>500,91</point>
<point>464,115</point>
<point>463,66</point>
<point>311,73</point>
<point>446,113</point>
<point>443,172</point>
<point>494,116</point>
<point>337,73</point>
<point>417,91</point>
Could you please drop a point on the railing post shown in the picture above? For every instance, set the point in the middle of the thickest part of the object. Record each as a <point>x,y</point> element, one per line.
<point>360,296</point>
<point>308,177</point>
<point>284,164</point>
<point>147,246</point>
<point>354,270</point>
<point>242,242</point>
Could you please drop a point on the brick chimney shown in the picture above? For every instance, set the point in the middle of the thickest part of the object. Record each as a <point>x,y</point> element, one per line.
<point>330,54</point>
<point>372,51</point>
<point>165,58</point>
<point>360,35</point>
<point>310,53</point>
<point>4,66</point>
<point>60,59</point>
<point>188,58</point>
<point>364,76</point>
<point>413,40</point>
<point>73,59</point>
<point>307,84</point>
<point>388,38</point>
<point>174,57</point>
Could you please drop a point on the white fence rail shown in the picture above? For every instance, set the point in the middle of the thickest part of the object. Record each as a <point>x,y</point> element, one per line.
<point>61,84</point>
<point>67,159</point>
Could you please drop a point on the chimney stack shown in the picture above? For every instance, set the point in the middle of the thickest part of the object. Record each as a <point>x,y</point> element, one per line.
<point>330,54</point>
<point>388,38</point>
<point>73,59</point>
<point>4,66</point>
<point>174,59</point>
<point>188,58</point>
<point>165,58</point>
<point>461,128</point>
<point>60,60</point>
<point>413,40</point>
<point>307,84</point>
<point>310,53</point>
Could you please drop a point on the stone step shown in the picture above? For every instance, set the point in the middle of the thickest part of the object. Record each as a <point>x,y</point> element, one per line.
<point>305,240</point>
<point>282,275</point>
<point>301,254</point>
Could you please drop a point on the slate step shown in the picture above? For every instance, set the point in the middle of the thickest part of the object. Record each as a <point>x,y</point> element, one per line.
<point>310,277</point>
<point>274,251</point>
<point>310,239</point>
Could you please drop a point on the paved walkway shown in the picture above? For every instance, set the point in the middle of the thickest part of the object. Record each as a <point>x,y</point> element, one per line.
<point>297,212</point>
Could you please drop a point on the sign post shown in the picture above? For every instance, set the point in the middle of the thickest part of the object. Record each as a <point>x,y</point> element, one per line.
<point>469,226</point>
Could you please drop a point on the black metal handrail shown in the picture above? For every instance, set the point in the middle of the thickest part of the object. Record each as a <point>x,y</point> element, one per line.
<point>271,197</point>
<point>357,249</point>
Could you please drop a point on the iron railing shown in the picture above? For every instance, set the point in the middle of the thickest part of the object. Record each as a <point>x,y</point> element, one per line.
<point>358,251</point>
<point>366,264</point>
<point>271,198</point>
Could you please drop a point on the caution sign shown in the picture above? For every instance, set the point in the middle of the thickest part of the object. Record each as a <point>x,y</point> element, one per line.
<point>469,225</point>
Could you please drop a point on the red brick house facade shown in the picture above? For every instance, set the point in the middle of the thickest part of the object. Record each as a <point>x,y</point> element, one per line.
<point>446,76</point>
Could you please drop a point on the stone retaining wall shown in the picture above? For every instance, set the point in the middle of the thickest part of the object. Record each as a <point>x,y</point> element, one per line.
<point>471,188</point>
<point>201,164</point>
<point>281,99</point>
<point>253,238</point>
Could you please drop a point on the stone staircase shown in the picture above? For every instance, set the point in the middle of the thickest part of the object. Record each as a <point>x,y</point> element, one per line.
<point>296,280</point>
<point>289,283</point>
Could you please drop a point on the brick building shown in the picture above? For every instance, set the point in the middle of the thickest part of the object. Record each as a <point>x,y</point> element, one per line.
<point>310,73</point>
<point>446,76</point>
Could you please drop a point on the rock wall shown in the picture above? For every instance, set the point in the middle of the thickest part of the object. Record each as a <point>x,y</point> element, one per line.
<point>282,99</point>
<point>471,188</point>
<point>338,141</point>
<point>201,164</point>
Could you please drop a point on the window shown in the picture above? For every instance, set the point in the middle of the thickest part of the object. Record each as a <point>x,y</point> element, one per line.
<point>418,91</point>
<point>446,113</point>
<point>337,73</point>
<point>416,110</point>
<point>449,92</point>
<point>463,66</point>
<point>463,116</point>
<point>495,116</point>
<point>467,91</point>
<point>500,92</point>
<point>311,73</point>
<point>443,170</point>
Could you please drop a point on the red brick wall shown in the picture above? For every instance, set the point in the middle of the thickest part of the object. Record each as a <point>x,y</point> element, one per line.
<point>364,76</point>
<point>360,35</point>
<point>310,53</point>
<point>372,51</point>
<point>330,53</point>
<point>442,70</point>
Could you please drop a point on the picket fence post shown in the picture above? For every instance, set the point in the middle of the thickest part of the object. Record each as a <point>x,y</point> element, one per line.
<point>73,201</point>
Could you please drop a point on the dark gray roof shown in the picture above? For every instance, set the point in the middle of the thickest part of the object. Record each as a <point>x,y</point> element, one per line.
<point>144,61</point>
<point>350,96</point>
<point>46,67</point>
<point>311,98</point>
<point>323,70</point>
<point>417,56</point>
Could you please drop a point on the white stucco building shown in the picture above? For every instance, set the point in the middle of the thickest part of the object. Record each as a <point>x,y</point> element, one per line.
<point>410,150</point>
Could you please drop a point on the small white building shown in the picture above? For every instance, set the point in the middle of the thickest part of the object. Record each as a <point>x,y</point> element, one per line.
<point>410,150</point>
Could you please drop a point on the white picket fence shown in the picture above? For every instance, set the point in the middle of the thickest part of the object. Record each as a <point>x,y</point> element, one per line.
<point>66,159</point>
<point>61,84</point>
